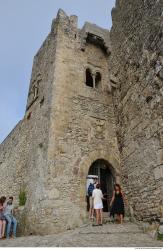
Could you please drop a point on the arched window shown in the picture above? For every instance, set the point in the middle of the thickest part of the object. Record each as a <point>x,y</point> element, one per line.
<point>89,78</point>
<point>98,80</point>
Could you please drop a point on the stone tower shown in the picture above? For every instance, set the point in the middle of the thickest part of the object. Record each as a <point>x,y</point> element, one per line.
<point>68,128</point>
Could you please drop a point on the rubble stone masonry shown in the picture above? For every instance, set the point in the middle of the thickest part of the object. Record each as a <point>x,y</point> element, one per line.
<point>137,76</point>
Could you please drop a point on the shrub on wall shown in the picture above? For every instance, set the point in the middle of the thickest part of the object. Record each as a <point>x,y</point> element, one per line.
<point>22,197</point>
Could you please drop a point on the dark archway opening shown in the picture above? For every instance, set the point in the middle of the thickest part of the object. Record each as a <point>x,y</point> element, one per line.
<point>89,78</point>
<point>106,178</point>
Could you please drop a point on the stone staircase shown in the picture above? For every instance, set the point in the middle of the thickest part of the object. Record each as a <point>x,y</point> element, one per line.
<point>109,235</point>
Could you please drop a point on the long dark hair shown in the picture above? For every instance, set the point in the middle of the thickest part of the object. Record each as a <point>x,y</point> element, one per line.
<point>119,187</point>
<point>2,200</point>
<point>98,186</point>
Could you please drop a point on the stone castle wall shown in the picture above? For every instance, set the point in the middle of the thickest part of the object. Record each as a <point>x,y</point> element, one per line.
<point>137,76</point>
<point>67,126</point>
<point>13,161</point>
<point>23,152</point>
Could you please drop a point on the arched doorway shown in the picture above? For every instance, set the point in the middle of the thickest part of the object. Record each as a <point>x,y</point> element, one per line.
<point>106,178</point>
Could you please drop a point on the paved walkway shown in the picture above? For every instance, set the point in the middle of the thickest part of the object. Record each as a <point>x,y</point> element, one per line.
<point>109,235</point>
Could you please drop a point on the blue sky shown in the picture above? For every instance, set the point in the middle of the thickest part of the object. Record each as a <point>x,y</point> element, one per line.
<point>24,24</point>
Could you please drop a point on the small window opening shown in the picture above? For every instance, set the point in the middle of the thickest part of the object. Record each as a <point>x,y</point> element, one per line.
<point>97,80</point>
<point>89,78</point>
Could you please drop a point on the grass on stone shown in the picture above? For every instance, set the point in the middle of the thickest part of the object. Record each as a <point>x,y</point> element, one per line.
<point>22,198</point>
<point>160,237</point>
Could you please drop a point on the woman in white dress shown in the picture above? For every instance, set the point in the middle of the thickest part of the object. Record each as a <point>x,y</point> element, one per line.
<point>98,205</point>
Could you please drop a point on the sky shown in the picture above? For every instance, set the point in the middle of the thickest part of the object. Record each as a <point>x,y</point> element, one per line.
<point>24,25</point>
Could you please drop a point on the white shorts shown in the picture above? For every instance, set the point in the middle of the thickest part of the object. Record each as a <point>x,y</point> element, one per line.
<point>98,206</point>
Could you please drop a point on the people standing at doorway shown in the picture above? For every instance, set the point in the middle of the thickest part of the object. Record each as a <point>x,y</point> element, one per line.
<point>117,204</point>
<point>2,218</point>
<point>98,205</point>
<point>9,215</point>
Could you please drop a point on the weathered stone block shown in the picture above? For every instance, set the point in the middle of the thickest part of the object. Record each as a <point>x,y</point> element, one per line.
<point>158,172</point>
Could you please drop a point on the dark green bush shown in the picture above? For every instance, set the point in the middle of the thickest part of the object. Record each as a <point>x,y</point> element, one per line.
<point>160,237</point>
<point>22,198</point>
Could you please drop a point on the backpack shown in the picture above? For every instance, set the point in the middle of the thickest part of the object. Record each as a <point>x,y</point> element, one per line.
<point>90,189</point>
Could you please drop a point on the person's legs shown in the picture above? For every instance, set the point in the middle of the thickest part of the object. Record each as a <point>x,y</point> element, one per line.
<point>1,225</point>
<point>8,218</point>
<point>90,213</point>
<point>121,218</point>
<point>118,218</point>
<point>90,207</point>
<point>101,216</point>
<point>3,228</point>
<point>97,219</point>
<point>98,216</point>
<point>93,211</point>
<point>14,221</point>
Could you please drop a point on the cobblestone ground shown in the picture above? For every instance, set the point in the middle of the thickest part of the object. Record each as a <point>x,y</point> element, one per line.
<point>109,235</point>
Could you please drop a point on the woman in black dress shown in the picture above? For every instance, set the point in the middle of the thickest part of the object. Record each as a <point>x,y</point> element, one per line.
<point>117,204</point>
